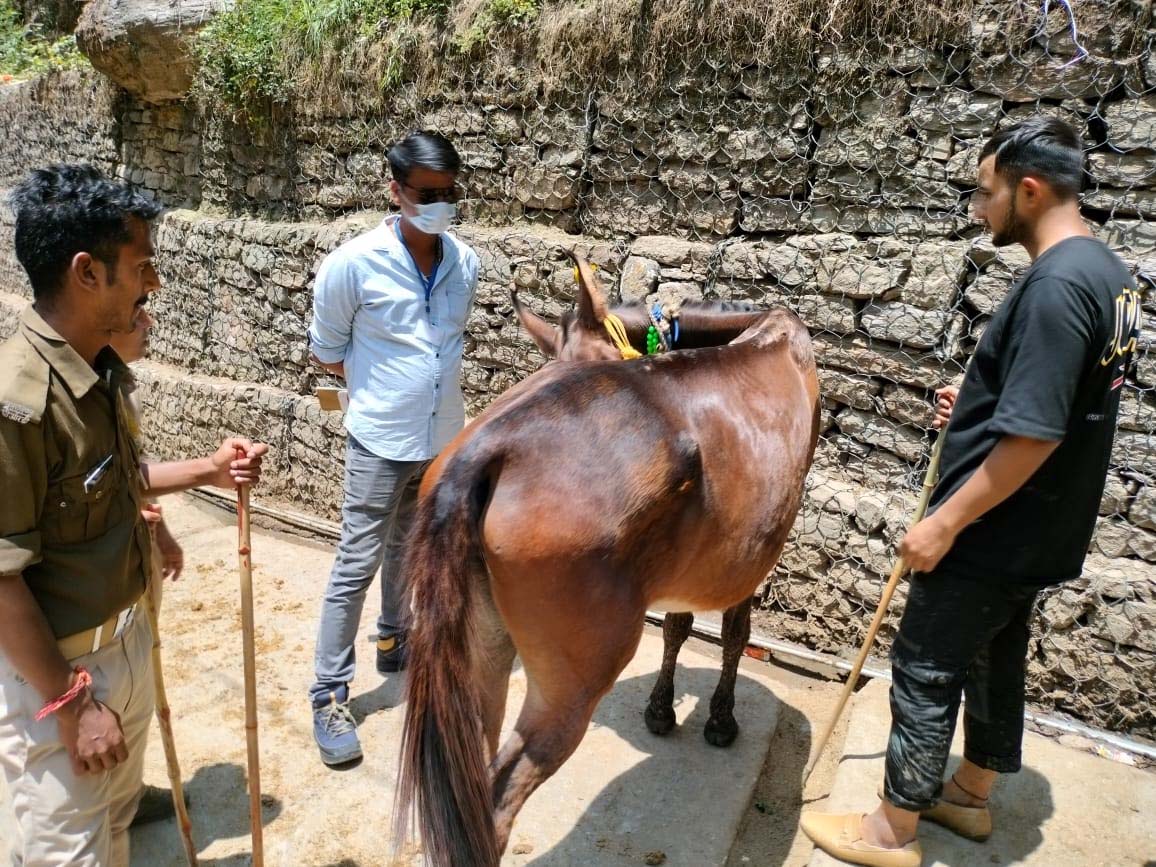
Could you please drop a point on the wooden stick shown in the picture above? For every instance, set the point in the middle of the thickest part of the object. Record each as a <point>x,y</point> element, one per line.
<point>164,719</point>
<point>244,549</point>
<point>898,572</point>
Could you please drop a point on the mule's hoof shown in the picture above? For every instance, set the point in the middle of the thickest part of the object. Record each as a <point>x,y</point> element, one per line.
<point>659,722</point>
<point>721,733</point>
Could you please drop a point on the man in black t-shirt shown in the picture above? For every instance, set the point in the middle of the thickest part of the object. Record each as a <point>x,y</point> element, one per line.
<point>1023,471</point>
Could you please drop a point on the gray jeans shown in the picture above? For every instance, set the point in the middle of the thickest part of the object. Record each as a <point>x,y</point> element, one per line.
<point>380,496</point>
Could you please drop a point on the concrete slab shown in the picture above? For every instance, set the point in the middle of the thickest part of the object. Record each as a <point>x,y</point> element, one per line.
<point>623,795</point>
<point>1066,808</point>
<point>626,794</point>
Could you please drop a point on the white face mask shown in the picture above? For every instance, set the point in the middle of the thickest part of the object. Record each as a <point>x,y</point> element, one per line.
<point>434,218</point>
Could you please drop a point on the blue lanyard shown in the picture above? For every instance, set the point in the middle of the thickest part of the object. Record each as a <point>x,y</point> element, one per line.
<point>426,282</point>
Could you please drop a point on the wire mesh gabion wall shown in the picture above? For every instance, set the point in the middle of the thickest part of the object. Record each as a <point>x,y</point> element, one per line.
<point>832,177</point>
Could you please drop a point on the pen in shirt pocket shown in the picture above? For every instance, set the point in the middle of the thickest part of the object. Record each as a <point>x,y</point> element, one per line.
<point>93,478</point>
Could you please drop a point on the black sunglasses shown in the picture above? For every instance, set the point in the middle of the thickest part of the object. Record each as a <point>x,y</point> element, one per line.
<point>429,195</point>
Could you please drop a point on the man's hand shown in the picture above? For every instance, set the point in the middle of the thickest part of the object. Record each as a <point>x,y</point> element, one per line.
<point>91,733</point>
<point>230,470</point>
<point>337,368</point>
<point>945,402</point>
<point>926,544</point>
<point>172,555</point>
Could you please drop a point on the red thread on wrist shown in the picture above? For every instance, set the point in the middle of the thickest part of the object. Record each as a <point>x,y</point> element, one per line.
<point>82,682</point>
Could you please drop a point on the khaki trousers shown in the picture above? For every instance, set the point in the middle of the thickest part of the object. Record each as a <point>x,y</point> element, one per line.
<point>61,818</point>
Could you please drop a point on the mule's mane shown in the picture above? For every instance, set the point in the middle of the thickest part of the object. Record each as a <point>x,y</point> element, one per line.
<point>701,323</point>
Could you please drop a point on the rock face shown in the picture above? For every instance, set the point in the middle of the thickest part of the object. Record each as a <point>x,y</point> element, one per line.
<point>143,45</point>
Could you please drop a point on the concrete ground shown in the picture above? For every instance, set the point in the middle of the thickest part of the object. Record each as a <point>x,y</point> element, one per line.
<point>624,798</point>
<point>1066,807</point>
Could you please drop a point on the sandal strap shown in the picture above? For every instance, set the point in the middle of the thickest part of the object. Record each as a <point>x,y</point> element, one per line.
<point>966,792</point>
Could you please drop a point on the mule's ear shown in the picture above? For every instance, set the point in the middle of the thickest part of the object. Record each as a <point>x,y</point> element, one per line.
<point>544,335</point>
<point>592,307</point>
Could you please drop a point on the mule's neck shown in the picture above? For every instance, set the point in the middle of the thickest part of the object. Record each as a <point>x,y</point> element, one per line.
<point>697,327</point>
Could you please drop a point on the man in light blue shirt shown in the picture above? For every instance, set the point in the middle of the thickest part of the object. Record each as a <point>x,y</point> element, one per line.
<point>389,313</point>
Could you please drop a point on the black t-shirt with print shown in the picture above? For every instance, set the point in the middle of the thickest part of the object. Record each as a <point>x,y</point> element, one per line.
<point>1049,366</point>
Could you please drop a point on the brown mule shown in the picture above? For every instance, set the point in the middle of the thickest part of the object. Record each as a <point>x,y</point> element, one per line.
<point>585,495</point>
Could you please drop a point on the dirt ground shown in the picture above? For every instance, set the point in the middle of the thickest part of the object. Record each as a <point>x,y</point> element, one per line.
<point>317,816</point>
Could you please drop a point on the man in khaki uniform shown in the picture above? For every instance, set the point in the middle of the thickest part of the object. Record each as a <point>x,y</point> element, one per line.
<point>74,549</point>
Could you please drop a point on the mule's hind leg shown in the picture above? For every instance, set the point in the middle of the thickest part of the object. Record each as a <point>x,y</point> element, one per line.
<point>564,683</point>
<point>493,661</point>
<point>659,714</point>
<point>721,729</point>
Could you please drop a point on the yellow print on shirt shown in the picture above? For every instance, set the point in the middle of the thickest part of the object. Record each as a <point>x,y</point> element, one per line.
<point>1127,326</point>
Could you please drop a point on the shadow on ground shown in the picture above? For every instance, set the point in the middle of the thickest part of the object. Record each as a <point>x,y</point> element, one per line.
<point>219,810</point>
<point>666,796</point>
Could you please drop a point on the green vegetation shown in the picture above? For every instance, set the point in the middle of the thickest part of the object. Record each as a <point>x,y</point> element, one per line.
<point>262,52</point>
<point>495,14</point>
<point>352,53</point>
<point>25,52</point>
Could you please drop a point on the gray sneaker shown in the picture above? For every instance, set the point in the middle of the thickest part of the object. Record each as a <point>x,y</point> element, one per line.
<point>334,728</point>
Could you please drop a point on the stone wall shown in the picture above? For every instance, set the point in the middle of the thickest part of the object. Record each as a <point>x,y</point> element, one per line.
<point>834,189</point>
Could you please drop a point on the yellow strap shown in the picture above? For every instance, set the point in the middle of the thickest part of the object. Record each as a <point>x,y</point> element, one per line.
<point>617,332</point>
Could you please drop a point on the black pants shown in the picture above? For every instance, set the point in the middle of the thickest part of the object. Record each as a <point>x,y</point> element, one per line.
<point>958,636</point>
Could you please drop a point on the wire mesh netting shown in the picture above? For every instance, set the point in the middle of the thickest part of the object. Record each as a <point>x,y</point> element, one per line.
<point>694,151</point>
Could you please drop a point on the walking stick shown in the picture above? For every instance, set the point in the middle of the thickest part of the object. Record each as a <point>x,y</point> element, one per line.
<point>245,564</point>
<point>164,720</point>
<point>898,572</point>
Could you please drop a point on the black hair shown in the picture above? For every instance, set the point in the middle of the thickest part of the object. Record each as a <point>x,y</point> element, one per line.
<point>63,210</point>
<point>422,150</point>
<point>1044,147</point>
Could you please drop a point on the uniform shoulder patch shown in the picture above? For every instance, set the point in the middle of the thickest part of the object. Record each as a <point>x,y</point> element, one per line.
<point>24,391</point>
<point>17,412</point>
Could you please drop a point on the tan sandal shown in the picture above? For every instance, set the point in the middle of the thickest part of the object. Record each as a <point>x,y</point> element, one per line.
<point>838,836</point>
<point>973,823</point>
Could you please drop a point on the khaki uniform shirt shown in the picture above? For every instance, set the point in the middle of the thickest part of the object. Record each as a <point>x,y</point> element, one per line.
<point>70,475</point>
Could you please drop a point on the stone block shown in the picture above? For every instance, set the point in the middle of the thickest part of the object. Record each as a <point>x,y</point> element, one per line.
<point>957,112</point>
<point>857,276</point>
<point>762,214</point>
<point>822,313</point>
<point>896,438</point>
<point>904,323</point>
<point>856,355</point>
<point>1143,511</point>
<point>548,187</point>
<point>907,405</point>
<point>1115,499</point>
<point>1122,170</point>
<point>638,279</point>
<point>987,292</point>
<point>848,389</point>
<point>937,272</point>
<point>1131,123</point>
<point>1123,203</point>
<point>759,260</point>
<point>1137,410</point>
<point>1136,451</point>
<point>668,250</point>
<point>1034,74</point>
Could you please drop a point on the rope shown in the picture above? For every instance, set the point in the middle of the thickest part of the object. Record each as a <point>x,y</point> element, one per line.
<point>82,682</point>
<point>617,332</point>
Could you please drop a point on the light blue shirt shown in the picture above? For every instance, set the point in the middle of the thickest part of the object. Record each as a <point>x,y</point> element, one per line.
<point>402,364</point>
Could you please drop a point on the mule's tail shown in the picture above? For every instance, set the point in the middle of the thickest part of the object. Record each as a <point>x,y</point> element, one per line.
<point>443,777</point>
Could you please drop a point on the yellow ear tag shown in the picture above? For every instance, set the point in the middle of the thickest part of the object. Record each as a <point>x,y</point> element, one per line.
<point>577,276</point>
